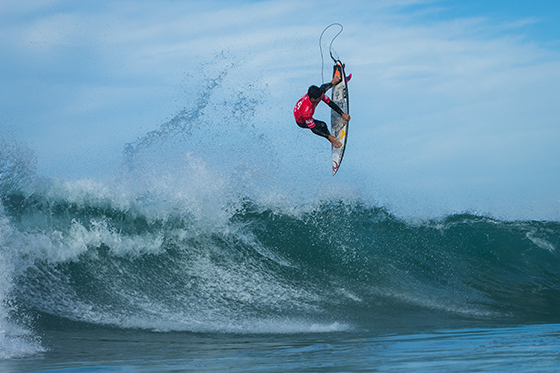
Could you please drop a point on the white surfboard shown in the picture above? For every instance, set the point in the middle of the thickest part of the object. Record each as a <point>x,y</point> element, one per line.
<point>339,127</point>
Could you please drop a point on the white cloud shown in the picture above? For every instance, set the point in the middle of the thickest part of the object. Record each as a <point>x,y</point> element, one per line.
<point>463,102</point>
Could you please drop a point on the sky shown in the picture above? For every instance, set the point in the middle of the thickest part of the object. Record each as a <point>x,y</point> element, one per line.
<point>454,103</point>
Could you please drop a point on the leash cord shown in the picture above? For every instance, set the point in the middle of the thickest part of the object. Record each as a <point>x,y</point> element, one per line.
<point>330,48</point>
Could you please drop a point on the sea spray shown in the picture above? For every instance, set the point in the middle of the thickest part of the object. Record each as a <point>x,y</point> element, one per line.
<point>15,339</point>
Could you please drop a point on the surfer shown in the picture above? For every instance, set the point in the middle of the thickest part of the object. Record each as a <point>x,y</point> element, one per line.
<point>305,108</point>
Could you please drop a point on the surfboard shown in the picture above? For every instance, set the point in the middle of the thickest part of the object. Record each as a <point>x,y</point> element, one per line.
<point>339,127</point>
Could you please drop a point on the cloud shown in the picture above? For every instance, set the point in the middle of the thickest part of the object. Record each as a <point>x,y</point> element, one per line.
<point>461,115</point>
<point>440,106</point>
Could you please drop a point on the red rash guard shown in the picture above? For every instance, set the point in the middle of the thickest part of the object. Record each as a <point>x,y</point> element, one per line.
<point>304,110</point>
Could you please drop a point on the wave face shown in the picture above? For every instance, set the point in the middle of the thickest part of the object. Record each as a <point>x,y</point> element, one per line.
<point>105,255</point>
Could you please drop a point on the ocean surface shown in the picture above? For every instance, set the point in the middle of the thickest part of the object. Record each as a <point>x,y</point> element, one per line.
<point>191,260</point>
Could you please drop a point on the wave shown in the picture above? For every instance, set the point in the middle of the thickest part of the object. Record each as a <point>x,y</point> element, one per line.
<point>196,236</point>
<point>88,252</point>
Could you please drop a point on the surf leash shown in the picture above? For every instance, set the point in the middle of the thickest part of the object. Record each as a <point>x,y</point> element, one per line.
<point>330,47</point>
<point>336,62</point>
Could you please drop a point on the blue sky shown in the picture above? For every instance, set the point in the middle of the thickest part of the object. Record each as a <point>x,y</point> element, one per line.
<point>542,16</point>
<point>454,103</point>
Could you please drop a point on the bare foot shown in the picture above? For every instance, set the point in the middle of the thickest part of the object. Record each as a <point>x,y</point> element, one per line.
<point>335,142</point>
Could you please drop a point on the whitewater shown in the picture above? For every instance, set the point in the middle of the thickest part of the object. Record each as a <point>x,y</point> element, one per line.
<point>201,255</point>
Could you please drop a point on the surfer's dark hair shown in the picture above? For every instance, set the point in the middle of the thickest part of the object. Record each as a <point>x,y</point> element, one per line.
<point>314,92</point>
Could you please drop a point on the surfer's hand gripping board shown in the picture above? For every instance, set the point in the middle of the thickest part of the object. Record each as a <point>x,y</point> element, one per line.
<point>336,80</point>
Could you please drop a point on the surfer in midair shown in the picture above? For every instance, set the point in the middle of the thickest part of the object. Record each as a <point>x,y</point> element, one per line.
<point>305,108</point>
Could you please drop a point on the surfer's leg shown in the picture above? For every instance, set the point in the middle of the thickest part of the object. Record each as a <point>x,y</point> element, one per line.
<point>321,129</point>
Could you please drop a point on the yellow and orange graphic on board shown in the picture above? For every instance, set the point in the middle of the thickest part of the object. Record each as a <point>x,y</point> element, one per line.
<point>341,134</point>
<point>337,73</point>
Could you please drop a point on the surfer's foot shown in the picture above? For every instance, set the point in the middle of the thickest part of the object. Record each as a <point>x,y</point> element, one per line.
<point>335,142</point>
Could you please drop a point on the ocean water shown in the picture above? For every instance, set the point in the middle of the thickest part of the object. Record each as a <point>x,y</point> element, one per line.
<point>197,256</point>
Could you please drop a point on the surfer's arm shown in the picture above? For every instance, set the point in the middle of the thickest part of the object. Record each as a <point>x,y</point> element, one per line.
<point>335,107</point>
<point>325,87</point>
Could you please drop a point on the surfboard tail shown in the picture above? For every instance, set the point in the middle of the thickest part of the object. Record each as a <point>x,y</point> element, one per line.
<point>338,69</point>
